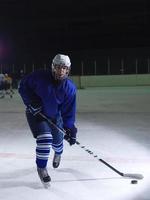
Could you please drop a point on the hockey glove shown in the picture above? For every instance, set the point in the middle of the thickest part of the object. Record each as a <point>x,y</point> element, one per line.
<point>70,135</point>
<point>34,109</point>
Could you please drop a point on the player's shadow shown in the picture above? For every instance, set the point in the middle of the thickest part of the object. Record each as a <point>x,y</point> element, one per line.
<point>76,175</point>
<point>17,173</point>
<point>12,179</point>
<point>14,184</point>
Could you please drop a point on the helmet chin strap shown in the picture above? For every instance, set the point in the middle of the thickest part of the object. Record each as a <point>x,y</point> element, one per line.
<point>57,77</point>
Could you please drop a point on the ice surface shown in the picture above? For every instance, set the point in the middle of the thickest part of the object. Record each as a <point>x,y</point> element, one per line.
<point>113,122</point>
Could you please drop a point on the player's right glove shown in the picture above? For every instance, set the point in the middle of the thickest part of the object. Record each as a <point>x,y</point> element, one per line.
<point>34,109</point>
<point>70,135</point>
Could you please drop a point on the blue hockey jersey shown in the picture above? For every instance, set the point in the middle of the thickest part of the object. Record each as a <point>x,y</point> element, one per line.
<point>55,98</point>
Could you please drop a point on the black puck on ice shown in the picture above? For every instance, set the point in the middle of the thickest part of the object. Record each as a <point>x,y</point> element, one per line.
<point>134,182</point>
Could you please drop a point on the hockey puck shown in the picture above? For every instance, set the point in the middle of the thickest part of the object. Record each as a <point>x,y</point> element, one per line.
<point>134,182</point>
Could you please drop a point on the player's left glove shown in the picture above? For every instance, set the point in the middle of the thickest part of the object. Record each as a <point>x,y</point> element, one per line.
<point>70,135</point>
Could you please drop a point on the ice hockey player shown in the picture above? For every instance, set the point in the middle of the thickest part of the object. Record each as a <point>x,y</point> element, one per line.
<point>8,85</point>
<point>2,93</point>
<point>53,94</point>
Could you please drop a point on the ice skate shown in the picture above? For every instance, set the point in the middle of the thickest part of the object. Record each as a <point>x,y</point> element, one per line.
<point>45,178</point>
<point>56,160</point>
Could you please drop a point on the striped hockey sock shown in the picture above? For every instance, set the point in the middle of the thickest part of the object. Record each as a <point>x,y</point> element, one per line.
<point>58,148</point>
<point>44,143</point>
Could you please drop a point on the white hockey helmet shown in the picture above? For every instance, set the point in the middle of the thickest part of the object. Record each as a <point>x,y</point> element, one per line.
<point>61,66</point>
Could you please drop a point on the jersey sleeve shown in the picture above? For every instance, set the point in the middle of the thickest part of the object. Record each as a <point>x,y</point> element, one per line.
<point>69,109</point>
<point>27,89</point>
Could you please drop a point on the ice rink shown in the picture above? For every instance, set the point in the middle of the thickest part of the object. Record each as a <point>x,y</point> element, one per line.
<point>113,122</point>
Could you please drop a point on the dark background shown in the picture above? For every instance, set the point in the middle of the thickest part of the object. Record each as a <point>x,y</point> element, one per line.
<point>34,31</point>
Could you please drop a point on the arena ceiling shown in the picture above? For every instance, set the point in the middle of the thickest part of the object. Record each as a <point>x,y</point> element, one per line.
<point>76,24</point>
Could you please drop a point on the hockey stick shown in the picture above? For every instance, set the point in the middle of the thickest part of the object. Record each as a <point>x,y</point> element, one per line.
<point>132,176</point>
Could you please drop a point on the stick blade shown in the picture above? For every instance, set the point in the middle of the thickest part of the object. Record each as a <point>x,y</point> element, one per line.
<point>134,176</point>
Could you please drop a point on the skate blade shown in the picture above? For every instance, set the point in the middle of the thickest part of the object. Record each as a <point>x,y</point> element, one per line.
<point>46,185</point>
